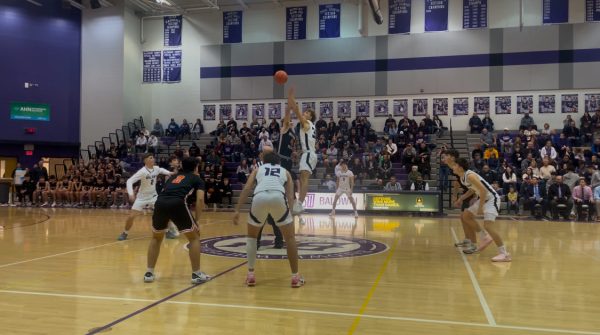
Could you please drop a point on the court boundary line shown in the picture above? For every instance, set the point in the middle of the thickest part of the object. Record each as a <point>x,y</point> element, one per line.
<point>482,301</point>
<point>307,311</point>
<point>68,252</point>
<point>48,217</point>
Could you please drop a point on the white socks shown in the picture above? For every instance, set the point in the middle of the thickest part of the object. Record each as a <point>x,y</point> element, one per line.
<point>251,251</point>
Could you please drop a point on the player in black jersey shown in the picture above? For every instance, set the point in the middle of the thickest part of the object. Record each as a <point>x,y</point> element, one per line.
<point>171,205</point>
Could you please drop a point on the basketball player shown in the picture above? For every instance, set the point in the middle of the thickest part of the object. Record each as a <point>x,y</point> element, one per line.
<point>171,205</point>
<point>274,190</point>
<point>278,242</point>
<point>345,184</point>
<point>146,196</point>
<point>308,161</point>
<point>486,205</point>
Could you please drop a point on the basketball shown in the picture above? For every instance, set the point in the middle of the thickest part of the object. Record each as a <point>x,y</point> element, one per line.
<point>281,77</point>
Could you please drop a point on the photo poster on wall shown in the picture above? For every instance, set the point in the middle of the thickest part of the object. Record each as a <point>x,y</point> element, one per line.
<point>503,105</point>
<point>326,109</point>
<point>152,67</point>
<point>547,104</point>
<point>524,104</point>
<point>440,106</point>
<point>258,111</point>
<point>481,105</point>
<point>569,103</point>
<point>295,23</point>
<point>275,110</point>
<point>232,27</point>
<point>172,30</point>
<point>306,105</point>
<point>592,10</point>
<point>460,106</point>
<point>555,11</point>
<point>400,107</point>
<point>399,16</point>
<point>475,14</point>
<point>209,112</point>
<point>344,109</point>
<point>436,15</point>
<point>241,112</point>
<point>419,107</point>
<point>329,20</point>
<point>363,108</point>
<point>381,108</point>
<point>171,66</point>
<point>592,103</point>
<point>225,112</point>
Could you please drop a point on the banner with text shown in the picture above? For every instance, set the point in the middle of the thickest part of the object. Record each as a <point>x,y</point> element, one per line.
<point>152,67</point>
<point>403,202</point>
<point>172,66</point>
<point>475,14</point>
<point>555,11</point>
<point>399,16</point>
<point>436,15</point>
<point>172,28</point>
<point>592,10</point>
<point>29,111</point>
<point>329,21</point>
<point>295,23</point>
<point>232,27</point>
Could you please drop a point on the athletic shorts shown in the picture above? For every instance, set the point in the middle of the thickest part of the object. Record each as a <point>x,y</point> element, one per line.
<point>269,203</point>
<point>174,210</point>
<point>141,204</point>
<point>308,161</point>
<point>347,192</point>
<point>490,209</point>
<point>286,163</point>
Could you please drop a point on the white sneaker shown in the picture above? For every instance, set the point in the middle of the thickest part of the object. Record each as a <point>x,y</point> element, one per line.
<point>332,213</point>
<point>297,208</point>
<point>149,277</point>
<point>355,214</point>
<point>53,204</point>
<point>200,278</point>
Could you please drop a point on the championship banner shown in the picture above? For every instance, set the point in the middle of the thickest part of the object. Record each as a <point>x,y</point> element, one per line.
<point>475,14</point>
<point>399,16</point>
<point>295,23</point>
<point>592,10</point>
<point>172,30</point>
<point>329,21</point>
<point>29,111</point>
<point>172,66</point>
<point>555,11</point>
<point>403,202</point>
<point>436,15</point>
<point>151,67</point>
<point>232,27</point>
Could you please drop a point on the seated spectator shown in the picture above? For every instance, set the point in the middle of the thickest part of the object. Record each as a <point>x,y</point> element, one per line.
<point>226,191</point>
<point>414,174</point>
<point>587,134</point>
<point>509,179</point>
<point>559,194</point>
<point>488,123</point>
<point>158,129</point>
<point>197,129</point>
<point>329,183</point>
<point>548,151</point>
<point>152,144</point>
<point>491,152</point>
<point>475,124</point>
<point>390,122</point>
<point>570,178</point>
<point>476,151</point>
<point>392,150</point>
<point>419,185</point>
<point>145,132</point>
<point>194,150</point>
<point>535,194</point>
<point>385,168</point>
<point>243,171</point>
<point>178,152</point>
<point>140,143</point>
<point>582,195</point>
<point>568,120</point>
<point>486,139</point>
<point>597,202</point>
<point>392,132</point>
<point>408,156</point>
<point>332,155</point>
<point>572,134</point>
<point>527,122</point>
<point>506,141</point>
<point>172,129</point>
<point>512,199</point>
<point>429,124</point>
<point>393,185</point>
<point>438,126</point>
<point>488,174</point>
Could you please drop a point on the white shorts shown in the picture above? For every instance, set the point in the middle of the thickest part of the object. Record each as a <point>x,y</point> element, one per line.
<point>490,209</point>
<point>341,191</point>
<point>273,203</point>
<point>145,203</point>
<point>308,161</point>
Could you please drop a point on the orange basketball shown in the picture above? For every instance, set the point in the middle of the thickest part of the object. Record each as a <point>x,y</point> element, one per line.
<point>280,77</point>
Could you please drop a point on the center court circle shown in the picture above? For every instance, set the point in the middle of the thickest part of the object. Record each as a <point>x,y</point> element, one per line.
<point>309,247</point>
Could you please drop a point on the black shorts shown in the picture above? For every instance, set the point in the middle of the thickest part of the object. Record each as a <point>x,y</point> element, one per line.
<point>174,210</point>
<point>286,163</point>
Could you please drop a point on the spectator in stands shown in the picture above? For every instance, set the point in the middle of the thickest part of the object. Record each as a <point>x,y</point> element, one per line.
<point>152,144</point>
<point>178,152</point>
<point>475,124</point>
<point>371,166</point>
<point>506,141</point>
<point>343,125</point>
<point>527,122</point>
<point>414,173</point>
<point>140,143</point>
<point>226,191</point>
<point>559,194</point>
<point>582,195</point>
<point>409,155</point>
<point>197,129</point>
<point>385,168</point>
<point>488,174</point>
<point>172,129</point>
<point>419,185</point>
<point>509,179</point>
<point>512,199</point>
<point>158,129</point>
<point>329,183</point>
<point>429,124</point>
<point>587,134</point>
<point>570,178</point>
<point>534,194</point>
<point>243,171</point>
<point>145,132</point>
<point>194,150</point>
<point>185,129</point>
<point>572,134</point>
<point>438,126</point>
<point>264,141</point>
<point>586,118</point>
<point>392,150</point>
<point>358,168</point>
<point>486,138</point>
<point>393,185</point>
<point>597,202</point>
<point>392,132</point>
<point>488,123</point>
<point>568,120</point>
<point>546,170</point>
<point>548,151</point>
<point>389,122</point>
<point>490,152</point>
<point>332,155</point>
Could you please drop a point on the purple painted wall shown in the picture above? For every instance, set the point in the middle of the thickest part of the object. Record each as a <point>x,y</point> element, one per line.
<point>41,45</point>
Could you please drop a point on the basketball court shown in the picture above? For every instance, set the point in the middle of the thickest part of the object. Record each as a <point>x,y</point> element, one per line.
<point>62,272</point>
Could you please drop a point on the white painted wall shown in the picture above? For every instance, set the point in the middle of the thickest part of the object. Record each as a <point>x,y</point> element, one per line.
<point>134,106</point>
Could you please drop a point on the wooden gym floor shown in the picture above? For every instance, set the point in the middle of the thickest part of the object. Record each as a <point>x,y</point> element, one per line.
<point>63,272</point>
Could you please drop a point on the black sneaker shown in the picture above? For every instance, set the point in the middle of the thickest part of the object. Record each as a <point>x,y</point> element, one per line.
<point>148,277</point>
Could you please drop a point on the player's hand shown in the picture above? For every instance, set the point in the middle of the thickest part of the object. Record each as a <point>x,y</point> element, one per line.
<point>236,218</point>
<point>457,203</point>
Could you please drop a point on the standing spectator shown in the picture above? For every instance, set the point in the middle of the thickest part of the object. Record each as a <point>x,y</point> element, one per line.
<point>158,129</point>
<point>487,123</point>
<point>527,122</point>
<point>198,129</point>
<point>475,124</point>
<point>582,195</point>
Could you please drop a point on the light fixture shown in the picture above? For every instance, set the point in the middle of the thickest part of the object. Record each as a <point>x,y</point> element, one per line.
<point>76,5</point>
<point>34,2</point>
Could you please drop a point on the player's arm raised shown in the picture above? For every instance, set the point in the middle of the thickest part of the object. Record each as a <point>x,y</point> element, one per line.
<point>294,106</point>
<point>286,119</point>
<point>244,195</point>
<point>481,190</point>
<point>132,180</point>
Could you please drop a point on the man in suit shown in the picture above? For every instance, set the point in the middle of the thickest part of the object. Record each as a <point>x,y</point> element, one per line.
<point>535,193</point>
<point>582,195</point>
<point>560,194</point>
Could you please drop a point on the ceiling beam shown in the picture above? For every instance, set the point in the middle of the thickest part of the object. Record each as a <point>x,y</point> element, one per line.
<point>243,4</point>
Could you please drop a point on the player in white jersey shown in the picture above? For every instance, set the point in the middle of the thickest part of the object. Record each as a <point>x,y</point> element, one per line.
<point>274,190</point>
<point>486,205</point>
<point>146,196</point>
<point>345,184</point>
<point>308,138</point>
